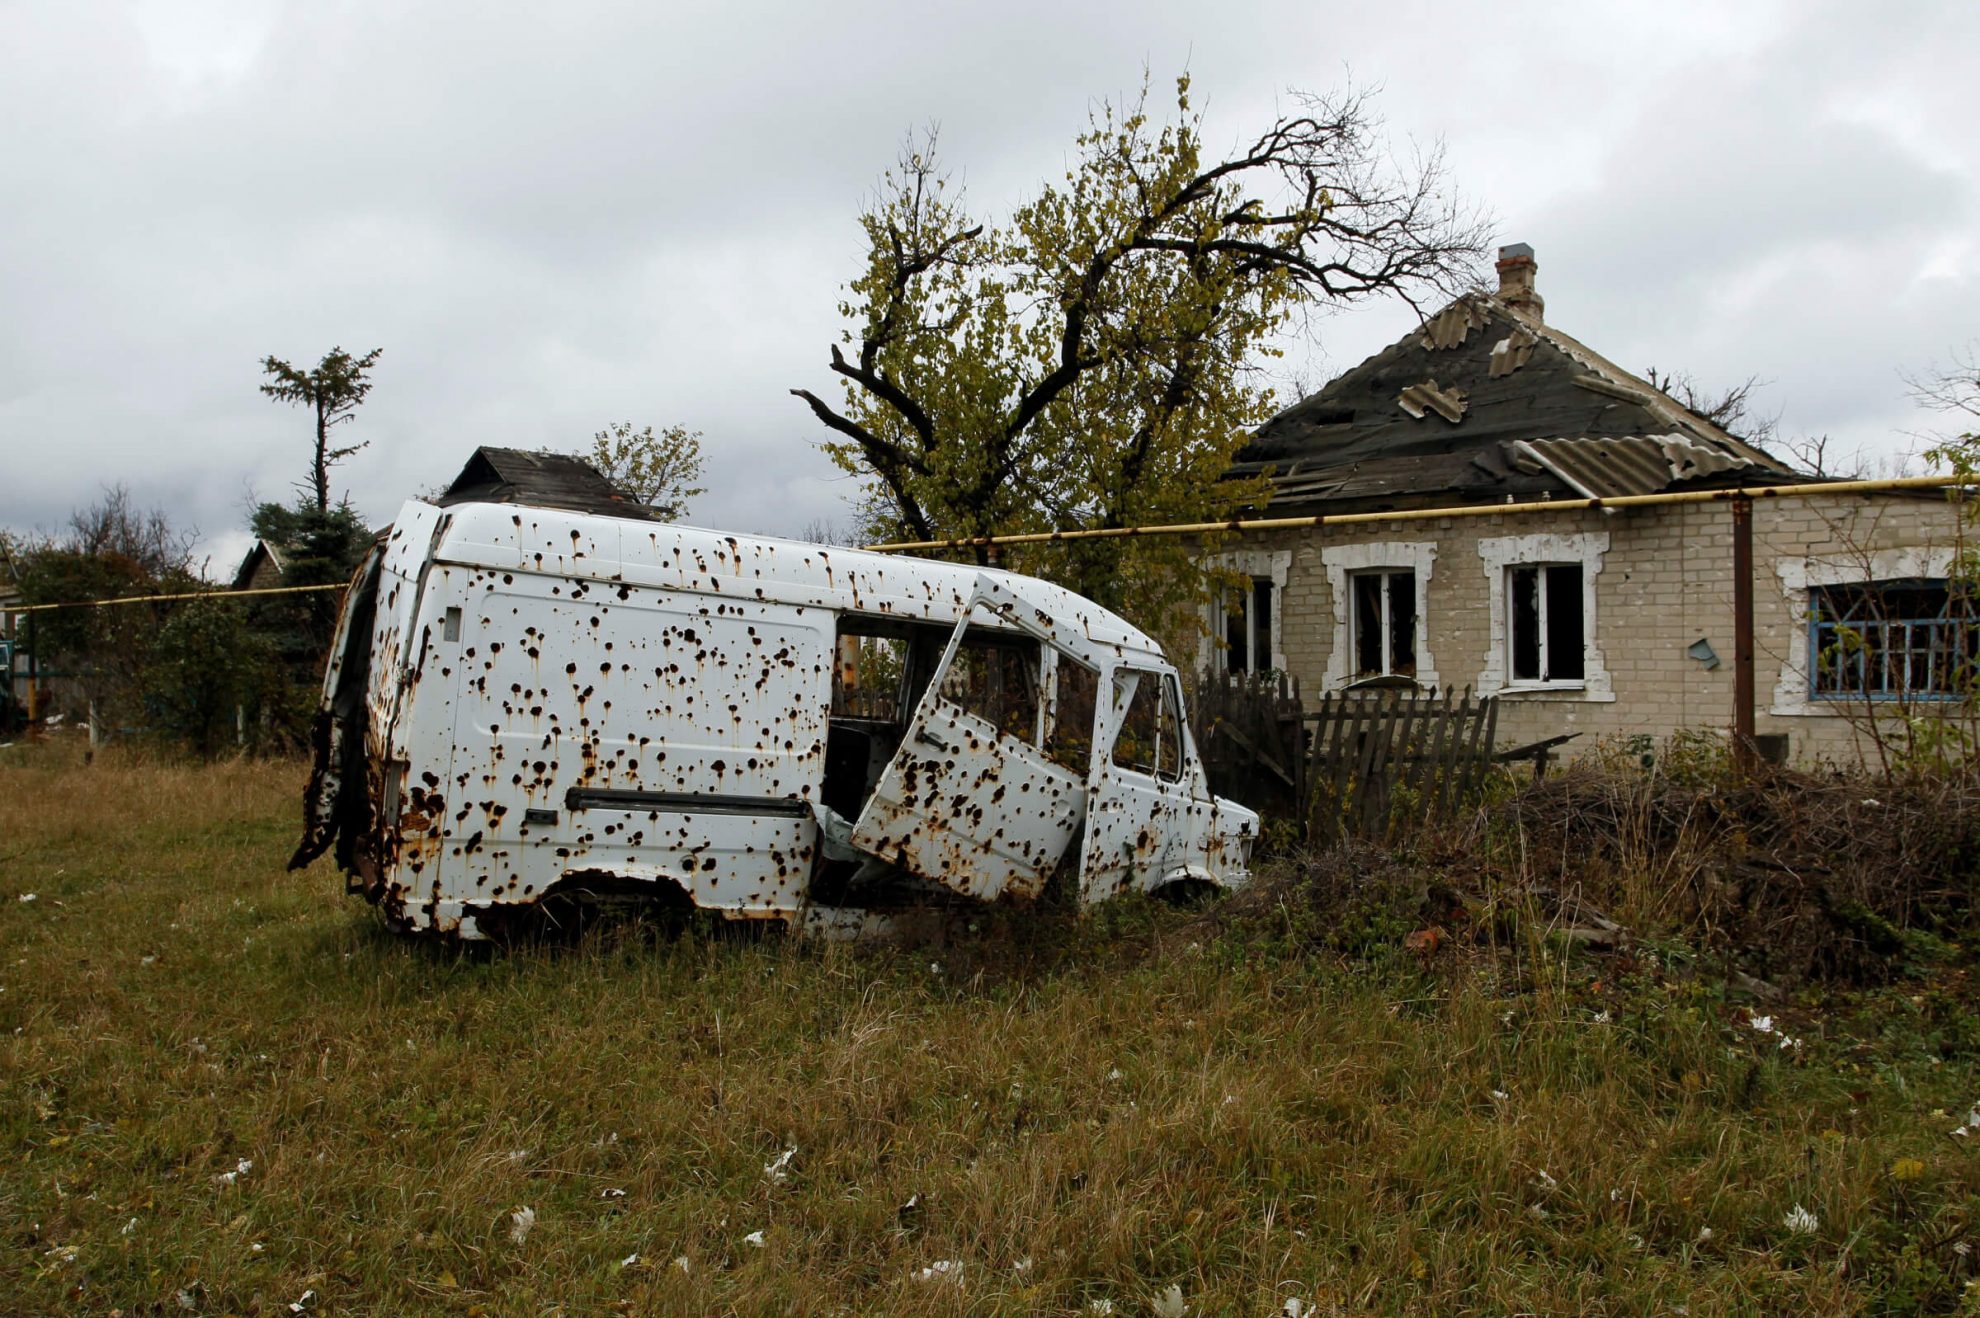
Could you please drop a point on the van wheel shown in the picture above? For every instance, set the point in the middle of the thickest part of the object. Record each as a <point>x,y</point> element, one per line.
<point>1189,894</point>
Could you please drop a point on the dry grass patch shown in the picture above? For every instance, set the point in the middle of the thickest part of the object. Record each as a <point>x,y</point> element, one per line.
<point>1026,1120</point>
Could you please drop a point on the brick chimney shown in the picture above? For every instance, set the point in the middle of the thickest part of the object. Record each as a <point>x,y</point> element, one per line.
<point>1516,270</point>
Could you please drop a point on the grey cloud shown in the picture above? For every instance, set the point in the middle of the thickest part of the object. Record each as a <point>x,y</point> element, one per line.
<point>551,218</point>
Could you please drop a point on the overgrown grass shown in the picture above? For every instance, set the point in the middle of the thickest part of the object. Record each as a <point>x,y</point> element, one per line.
<point>1071,1113</point>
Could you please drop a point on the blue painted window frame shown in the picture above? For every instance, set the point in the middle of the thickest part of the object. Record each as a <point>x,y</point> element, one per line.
<point>1935,657</point>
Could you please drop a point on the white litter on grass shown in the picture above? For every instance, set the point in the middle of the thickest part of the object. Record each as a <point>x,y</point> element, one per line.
<point>521,1223</point>
<point>940,1270</point>
<point>186,1299</point>
<point>1967,1127</point>
<point>1023,1265</point>
<point>1546,1182</point>
<point>147,960</point>
<point>1764,1024</point>
<point>129,1227</point>
<point>1169,1304</point>
<point>1500,1095</point>
<point>1801,1222</point>
<point>301,1302</point>
<point>62,1254</point>
<point>754,1240</point>
<point>1098,1307</point>
<point>628,1260</point>
<point>612,1194</point>
<point>256,1247</point>
<point>1294,1307</point>
<point>30,897</point>
<point>241,1168</point>
<point>1602,1017</point>
<point>681,1262</point>
<point>1114,1074</point>
<point>1704,1234</point>
<point>776,1168</point>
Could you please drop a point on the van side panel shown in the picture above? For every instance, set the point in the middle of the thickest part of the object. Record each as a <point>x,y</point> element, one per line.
<point>612,731</point>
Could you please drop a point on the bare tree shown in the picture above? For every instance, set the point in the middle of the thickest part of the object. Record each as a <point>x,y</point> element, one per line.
<point>1731,410</point>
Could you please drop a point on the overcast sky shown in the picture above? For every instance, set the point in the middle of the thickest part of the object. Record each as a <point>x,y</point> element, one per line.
<point>554,216</point>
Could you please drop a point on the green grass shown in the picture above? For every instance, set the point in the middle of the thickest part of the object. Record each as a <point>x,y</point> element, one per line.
<point>1078,1112</point>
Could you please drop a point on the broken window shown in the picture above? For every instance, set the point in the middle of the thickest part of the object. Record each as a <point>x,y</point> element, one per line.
<point>1383,623</point>
<point>1069,735</point>
<point>1886,640</point>
<point>1150,736</point>
<point>867,670</point>
<point>1545,629</point>
<point>996,679</point>
<point>1248,612</point>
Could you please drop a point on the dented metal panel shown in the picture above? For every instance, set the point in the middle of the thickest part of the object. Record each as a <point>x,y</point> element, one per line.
<point>971,808</point>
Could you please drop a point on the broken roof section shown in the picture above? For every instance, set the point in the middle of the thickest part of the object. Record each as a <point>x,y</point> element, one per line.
<point>1485,401</point>
<point>543,480</point>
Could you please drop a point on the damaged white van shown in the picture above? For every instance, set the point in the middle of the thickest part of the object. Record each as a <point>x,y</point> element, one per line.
<point>527,705</point>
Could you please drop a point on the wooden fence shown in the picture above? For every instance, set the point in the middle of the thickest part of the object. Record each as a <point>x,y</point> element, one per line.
<point>1369,762</point>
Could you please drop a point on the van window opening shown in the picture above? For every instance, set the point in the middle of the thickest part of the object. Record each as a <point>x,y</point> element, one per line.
<point>1150,737</point>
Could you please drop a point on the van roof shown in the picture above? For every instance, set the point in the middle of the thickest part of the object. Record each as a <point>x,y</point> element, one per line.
<point>510,537</point>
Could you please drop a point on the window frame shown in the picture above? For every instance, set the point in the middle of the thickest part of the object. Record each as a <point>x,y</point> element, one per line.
<point>1498,555</point>
<point>1543,640</point>
<point>1260,565</point>
<point>1385,626</point>
<point>1947,621</point>
<point>1167,736</point>
<point>1341,563</point>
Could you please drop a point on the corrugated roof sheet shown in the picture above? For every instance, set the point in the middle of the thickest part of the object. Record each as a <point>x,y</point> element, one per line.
<point>1637,464</point>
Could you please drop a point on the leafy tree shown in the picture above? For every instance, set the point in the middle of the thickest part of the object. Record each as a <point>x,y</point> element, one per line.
<point>111,549</point>
<point>208,667</point>
<point>657,469</point>
<point>333,391</point>
<point>1096,361</point>
<point>1955,389</point>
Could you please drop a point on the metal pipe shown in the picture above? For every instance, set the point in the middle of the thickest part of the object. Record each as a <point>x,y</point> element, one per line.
<point>1459,510</point>
<point>1742,573</point>
<point>180,595</point>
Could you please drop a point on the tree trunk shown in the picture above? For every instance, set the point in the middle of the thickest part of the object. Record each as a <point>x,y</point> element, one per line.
<point>322,469</point>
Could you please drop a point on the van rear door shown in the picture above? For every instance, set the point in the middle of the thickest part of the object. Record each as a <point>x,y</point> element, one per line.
<point>337,735</point>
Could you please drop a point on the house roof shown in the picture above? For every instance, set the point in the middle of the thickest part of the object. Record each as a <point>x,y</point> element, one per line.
<point>545,480</point>
<point>244,574</point>
<point>1485,402</point>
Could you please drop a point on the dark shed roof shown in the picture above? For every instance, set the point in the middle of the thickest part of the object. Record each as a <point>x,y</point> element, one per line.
<point>1483,403</point>
<point>547,480</point>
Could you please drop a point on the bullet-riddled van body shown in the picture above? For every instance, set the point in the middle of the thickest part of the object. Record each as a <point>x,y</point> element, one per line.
<point>525,704</point>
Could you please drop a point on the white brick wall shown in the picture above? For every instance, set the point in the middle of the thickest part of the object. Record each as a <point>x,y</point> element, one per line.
<point>1666,581</point>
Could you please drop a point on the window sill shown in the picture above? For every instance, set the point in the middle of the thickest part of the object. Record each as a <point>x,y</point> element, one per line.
<point>1552,691</point>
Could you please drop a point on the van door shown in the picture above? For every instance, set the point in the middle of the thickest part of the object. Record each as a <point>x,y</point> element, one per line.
<point>1139,807</point>
<point>972,800</point>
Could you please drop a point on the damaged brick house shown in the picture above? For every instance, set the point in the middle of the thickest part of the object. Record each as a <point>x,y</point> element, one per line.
<point>1592,621</point>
